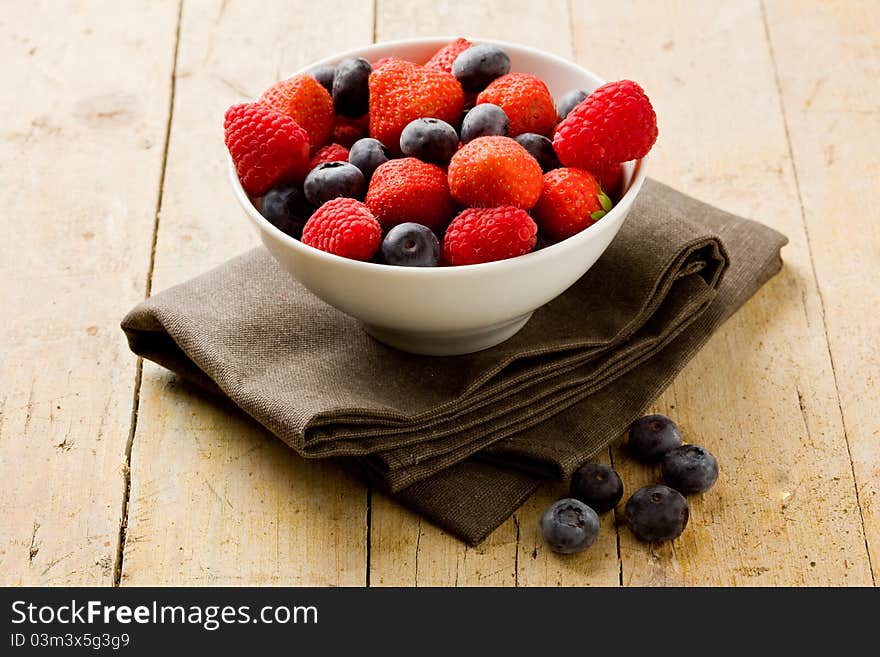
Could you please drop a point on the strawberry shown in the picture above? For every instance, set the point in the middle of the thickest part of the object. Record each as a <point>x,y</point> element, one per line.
<point>487,234</point>
<point>407,190</point>
<point>616,123</point>
<point>267,147</point>
<point>526,101</point>
<point>379,63</point>
<point>401,92</point>
<point>570,201</point>
<point>443,58</point>
<point>494,171</point>
<point>307,102</point>
<point>329,153</point>
<point>344,227</point>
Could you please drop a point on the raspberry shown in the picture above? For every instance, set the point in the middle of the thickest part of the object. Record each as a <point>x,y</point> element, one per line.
<point>344,227</point>
<point>526,101</point>
<point>486,234</point>
<point>409,190</point>
<point>615,124</point>
<point>267,147</point>
<point>493,171</point>
<point>307,102</point>
<point>571,201</point>
<point>443,58</point>
<point>401,92</point>
<point>329,153</point>
<point>346,131</point>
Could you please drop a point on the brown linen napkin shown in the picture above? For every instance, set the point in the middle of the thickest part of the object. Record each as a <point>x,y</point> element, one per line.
<point>465,439</point>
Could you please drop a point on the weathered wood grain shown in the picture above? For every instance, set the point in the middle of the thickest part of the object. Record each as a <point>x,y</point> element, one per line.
<point>828,64</point>
<point>81,149</point>
<point>761,395</point>
<point>767,111</point>
<point>214,499</point>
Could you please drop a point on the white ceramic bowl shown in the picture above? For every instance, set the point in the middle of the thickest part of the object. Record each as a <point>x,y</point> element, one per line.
<point>451,310</point>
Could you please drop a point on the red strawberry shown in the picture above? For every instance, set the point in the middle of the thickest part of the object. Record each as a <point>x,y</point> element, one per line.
<point>442,59</point>
<point>267,147</point>
<point>410,190</point>
<point>344,227</point>
<point>401,92</point>
<point>307,102</point>
<point>571,201</point>
<point>330,153</point>
<point>494,171</point>
<point>346,131</point>
<point>614,124</point>
<point>526,101</point>
<point>379,63</point>
<point>487,234</point>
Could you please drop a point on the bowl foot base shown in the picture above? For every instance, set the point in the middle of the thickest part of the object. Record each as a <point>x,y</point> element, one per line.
<point>451,343</point>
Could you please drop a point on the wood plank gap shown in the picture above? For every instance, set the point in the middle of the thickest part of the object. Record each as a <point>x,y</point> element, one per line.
<point>516,553</point>
<point>803,214</point>
<point>369,531</point>
<point>616,528</point>
<point>572,48</point>
<point>148,287</point>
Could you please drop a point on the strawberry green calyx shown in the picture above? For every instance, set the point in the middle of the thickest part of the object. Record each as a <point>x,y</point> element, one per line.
<point>606,204</point>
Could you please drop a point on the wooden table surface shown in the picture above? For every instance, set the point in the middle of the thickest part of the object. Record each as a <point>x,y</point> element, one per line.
<point>114,185</point>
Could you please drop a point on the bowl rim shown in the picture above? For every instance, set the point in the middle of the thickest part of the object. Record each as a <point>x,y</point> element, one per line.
<point>638,178</point>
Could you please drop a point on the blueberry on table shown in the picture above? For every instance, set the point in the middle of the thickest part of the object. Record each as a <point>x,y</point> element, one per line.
<point>351,91</point>
<point>430,140</point>
<point>656,513</point>
<point>484,120</point>
<point>367,154</point>
<point>411,245</point>
<point>568,102</point>
<point>650,437</point>
<point>597,485</point>
<point>286,208</point>
<point>540,148</point>
<point>324,74</point>
<point>477,66</point>
<point>332,180</point>
<point>569,526</point>
<point>689,469</point>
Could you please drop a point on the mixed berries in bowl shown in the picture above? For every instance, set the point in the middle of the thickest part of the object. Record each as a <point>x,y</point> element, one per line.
<point>440,190</point>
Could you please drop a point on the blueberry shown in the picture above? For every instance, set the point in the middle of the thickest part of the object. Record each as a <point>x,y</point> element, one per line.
<point>650,437</point>
<point>484,120</point>
<point>568,102</point>
<point>540,148</point>
<point>430,140</point>
<point>351,91</point>
<point>411,245</point>
<point>477,66</point>
<point>367,154</point>
<point>323,74</point>
<point>690,469</point>
<point>597,486</point>
<point>333,179</point>
<point>569,526</point>
<point>656,513</point>
<point>287,209</point>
